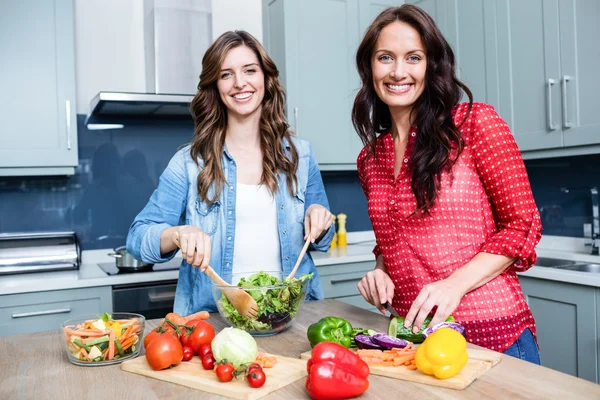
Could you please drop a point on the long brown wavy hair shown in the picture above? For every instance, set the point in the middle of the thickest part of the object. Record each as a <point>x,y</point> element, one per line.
<point>210,120</point>
<point>439,142</point>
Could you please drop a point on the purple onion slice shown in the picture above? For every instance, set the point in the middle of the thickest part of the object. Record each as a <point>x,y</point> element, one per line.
<point>389,342</point>
<point>452,325</point>
<point>365,342</point>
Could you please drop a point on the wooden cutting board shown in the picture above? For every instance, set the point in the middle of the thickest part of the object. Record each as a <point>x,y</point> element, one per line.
<point>480,361</point>
<point>191,374</point>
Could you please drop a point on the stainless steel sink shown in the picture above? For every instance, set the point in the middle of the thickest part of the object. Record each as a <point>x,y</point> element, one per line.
<point>553,262</point>
<point>594,268</point>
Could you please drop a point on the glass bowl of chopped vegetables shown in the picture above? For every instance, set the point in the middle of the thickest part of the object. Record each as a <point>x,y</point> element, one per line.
<point>278,301</point>
<point>94,340</point>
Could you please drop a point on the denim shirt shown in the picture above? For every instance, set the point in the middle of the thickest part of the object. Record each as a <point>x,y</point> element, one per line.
<point>176,202</point>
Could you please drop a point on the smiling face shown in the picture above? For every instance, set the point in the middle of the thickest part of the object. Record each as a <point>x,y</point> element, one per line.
<point>398,66</point>
<point>241,82</point>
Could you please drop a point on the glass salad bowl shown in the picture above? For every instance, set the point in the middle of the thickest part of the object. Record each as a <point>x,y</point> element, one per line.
<point>278,302</point>
<point>95,340</point>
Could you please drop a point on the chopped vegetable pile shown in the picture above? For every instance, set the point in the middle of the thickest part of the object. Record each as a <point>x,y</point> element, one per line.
<point>276,306</point>
<point>103,339</point>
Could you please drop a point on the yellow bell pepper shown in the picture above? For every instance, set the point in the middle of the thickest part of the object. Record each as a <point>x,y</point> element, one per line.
<point>443,354</point>
<point>117,328</point>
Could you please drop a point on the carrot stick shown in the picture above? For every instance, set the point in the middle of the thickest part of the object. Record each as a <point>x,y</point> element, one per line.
<point>85,353</point>
<point>87,332</point>
<point>202,315</point>
<point>412,367</point>
<point>111,345</point>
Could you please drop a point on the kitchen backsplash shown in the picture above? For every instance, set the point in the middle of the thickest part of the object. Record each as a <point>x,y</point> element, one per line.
<point>119,169</point>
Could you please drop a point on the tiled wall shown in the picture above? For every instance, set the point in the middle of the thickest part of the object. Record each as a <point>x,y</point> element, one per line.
<point>119,169</point>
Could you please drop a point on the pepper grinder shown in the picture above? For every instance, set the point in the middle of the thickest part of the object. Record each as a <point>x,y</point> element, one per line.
<point>334,240</point>
<point>341,232</point>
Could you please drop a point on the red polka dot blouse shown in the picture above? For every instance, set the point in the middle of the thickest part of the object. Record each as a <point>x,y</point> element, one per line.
<point>485,205</point>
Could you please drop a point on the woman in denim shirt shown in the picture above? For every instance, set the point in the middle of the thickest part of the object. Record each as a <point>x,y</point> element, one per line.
<point>245,194</point>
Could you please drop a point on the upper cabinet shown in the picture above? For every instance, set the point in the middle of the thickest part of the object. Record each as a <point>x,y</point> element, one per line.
<point>579,22</point>
<point>314,43</point>
<point>535,62</point>
<point>38,123</point>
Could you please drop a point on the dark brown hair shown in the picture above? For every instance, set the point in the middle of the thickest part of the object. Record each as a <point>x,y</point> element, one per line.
<point>439,142</point>
<point>210,120</point>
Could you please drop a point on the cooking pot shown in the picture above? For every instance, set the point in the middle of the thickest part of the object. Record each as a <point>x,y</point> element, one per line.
<point>126,262</point>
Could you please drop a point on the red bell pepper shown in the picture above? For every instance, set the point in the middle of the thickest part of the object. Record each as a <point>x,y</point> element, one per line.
<point>335,373</point>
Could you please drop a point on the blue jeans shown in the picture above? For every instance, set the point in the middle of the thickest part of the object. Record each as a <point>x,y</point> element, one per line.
<point>525,348</point>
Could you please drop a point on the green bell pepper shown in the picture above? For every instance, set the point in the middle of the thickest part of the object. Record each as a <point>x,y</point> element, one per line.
<point>331,329</point>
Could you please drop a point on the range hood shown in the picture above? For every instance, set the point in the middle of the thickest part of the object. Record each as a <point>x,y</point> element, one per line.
<point>110,107</point>
<point>176,35</point>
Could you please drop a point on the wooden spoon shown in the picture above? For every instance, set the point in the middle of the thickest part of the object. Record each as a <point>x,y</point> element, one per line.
<point>239,299</point>
<point>302,253</point>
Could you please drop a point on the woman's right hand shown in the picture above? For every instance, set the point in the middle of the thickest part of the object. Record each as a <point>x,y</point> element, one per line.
<point>377,288</point>
<point>195,246</point>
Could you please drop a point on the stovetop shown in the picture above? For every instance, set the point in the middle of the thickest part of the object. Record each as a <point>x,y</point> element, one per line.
<point>111,268</point>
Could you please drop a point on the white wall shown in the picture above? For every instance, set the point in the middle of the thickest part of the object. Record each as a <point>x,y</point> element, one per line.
<point>109,42</point>
<point>229,15</point>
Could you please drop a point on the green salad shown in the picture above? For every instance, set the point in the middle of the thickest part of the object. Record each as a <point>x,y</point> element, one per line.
<point>276,306</point>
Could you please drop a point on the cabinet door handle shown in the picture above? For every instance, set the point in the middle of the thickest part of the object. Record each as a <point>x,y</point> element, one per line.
<point>336,281</point>
<point>296,112</point>
<point>38,313</point>
<point>551,125</point>
<point>566,123</point>
<point>68,111</point>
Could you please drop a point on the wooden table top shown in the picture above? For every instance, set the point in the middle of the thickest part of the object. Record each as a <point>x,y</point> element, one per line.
<point>35,366</point>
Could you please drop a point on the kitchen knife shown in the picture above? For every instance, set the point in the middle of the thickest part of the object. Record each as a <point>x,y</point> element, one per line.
<point>389,307</point>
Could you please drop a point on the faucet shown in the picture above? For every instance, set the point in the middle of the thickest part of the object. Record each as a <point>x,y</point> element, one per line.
<point>591,231</point>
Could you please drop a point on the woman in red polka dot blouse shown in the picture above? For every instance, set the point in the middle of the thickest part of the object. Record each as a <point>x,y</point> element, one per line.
<point>448,194</point>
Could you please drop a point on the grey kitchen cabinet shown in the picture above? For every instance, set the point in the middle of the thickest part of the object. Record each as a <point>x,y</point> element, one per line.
<point>38,122</point>
<point>579,22</point>
<point>313,43</point>
<point>44,311</point>
<point>565,317</point>
<point>547,52</point>
<point>340,282</point>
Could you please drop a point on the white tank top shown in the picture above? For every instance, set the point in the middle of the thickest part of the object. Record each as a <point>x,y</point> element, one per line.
<point>257,246</point>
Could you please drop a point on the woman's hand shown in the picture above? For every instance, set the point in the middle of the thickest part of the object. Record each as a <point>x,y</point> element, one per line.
<point>377,288</point>
<point>317,221</point>
<point>195,246</point>
<point>443,294</point>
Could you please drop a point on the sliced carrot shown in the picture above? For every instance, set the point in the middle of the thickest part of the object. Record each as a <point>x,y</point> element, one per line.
<point>111,345</point>
<point>85,353</point>
<point>412,367</point>
<point>87,332</point>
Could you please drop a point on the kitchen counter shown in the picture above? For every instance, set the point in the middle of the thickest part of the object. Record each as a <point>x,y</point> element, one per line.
<point>51,376</point>
<point>359,249</point>
<point>90,274</point>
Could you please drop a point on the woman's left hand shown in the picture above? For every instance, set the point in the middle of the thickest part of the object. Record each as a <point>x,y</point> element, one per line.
<point>317,221</point>
<point>444,294</point>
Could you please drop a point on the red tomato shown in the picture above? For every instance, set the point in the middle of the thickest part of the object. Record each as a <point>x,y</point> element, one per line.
<point>203,333</point>
<point>204,349</point>
<point>225,372</point>
<point>154,334</point>
<point>163,352</point>
<point>256,377</point>
<point>208,361</point>
<point>188,353</point>
<point>253,366</point>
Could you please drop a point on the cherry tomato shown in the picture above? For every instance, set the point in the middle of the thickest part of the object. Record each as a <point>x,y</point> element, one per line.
<point>253,366</point>
<point>188,353</point>
<point>204,349</point>
<point>203,333</point>
<point>225,372</point>
<point>208,361</point>
<point>164,351</point>
<point>256,377</point>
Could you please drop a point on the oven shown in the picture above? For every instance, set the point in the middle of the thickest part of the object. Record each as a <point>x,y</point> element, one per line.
<point>150,299</point>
